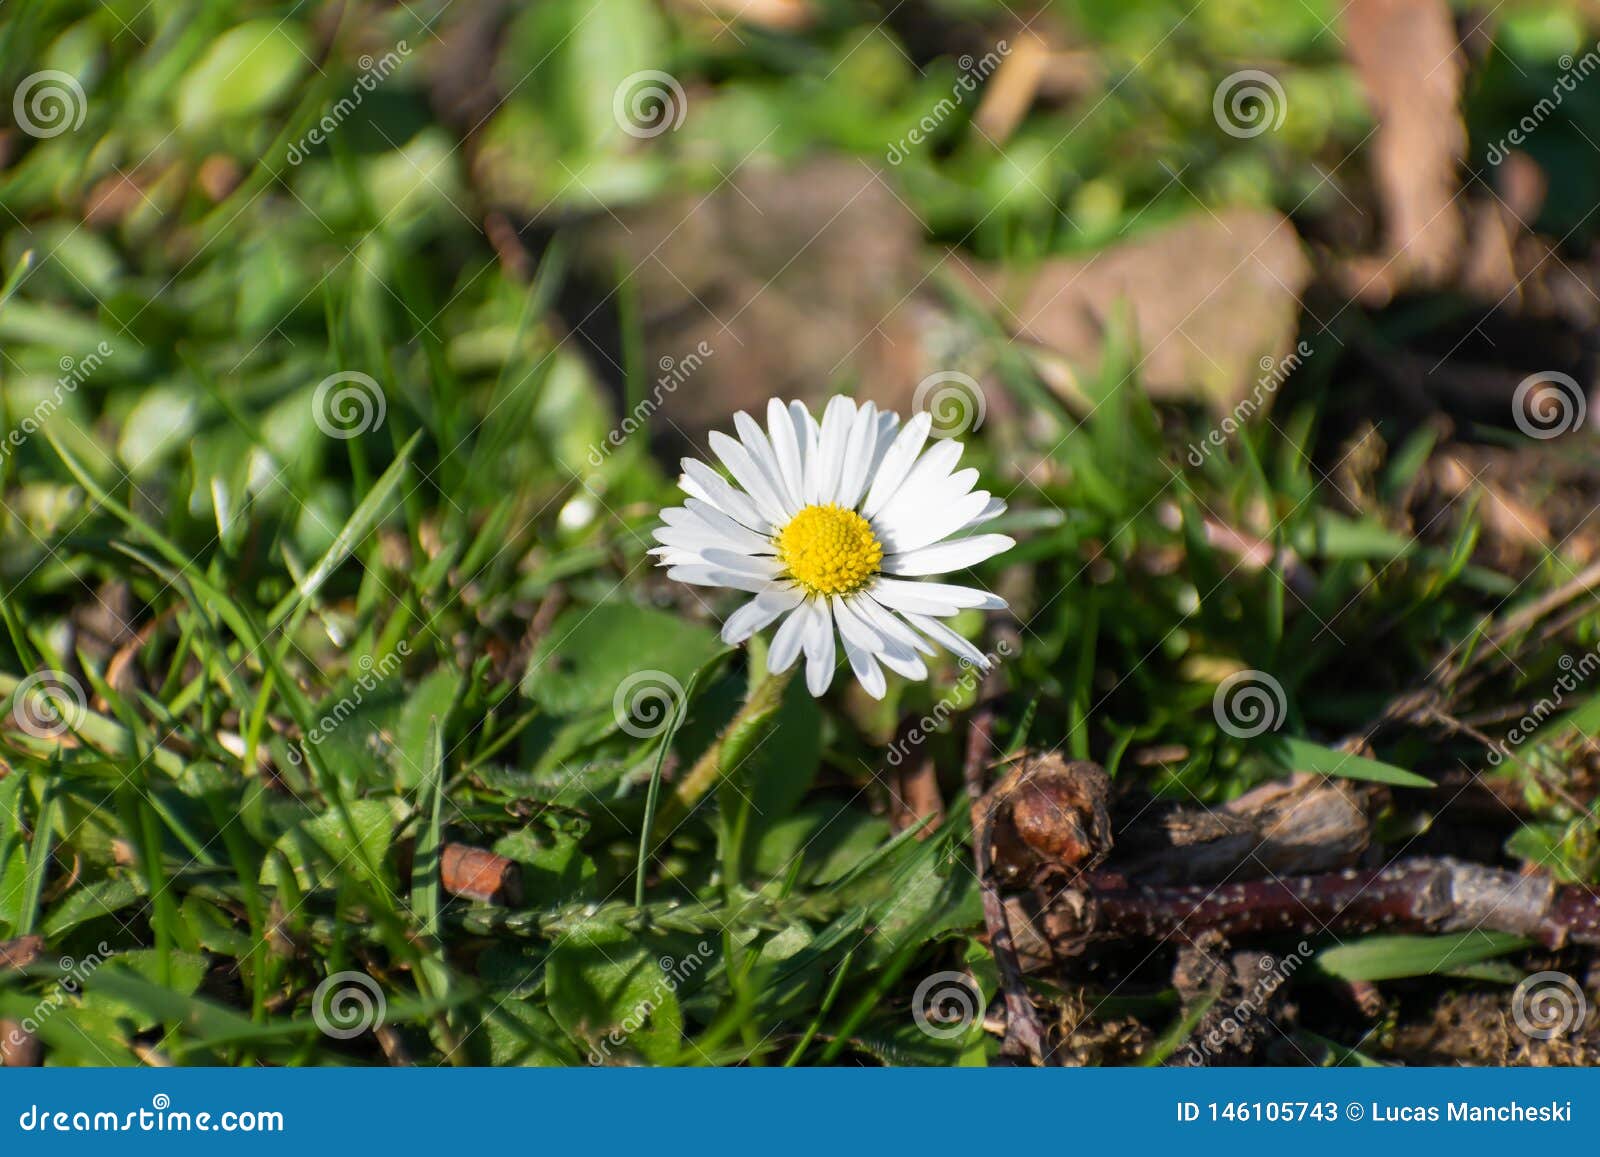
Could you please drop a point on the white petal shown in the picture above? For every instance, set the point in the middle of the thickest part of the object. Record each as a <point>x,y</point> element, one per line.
<point>899,638</point>
<point>822,484</point>
<point>854,628</point>
<point>994,509</point>
<point>910,668</point>
<point>905,526</point>
<point>928,482</point>
<point>754,439</point>
<point>948,639</point>
<point>754,543</point>
<point>676,556</point>
<point>703,575</point>
<point>940,599</point>
<point>958,554</point>
<point>786,448</point>
<point>858,456</point>
<point>697,537</point>
<point>750,476</point>
<point>711,487</point>
<point>897,462</point>
<point>757,564</point>
<point>786,641</point>
<point>888,430</point>
<point>866,669</point>
<point>819,647</point>
<point>809,433</point>
<point>760,611</point>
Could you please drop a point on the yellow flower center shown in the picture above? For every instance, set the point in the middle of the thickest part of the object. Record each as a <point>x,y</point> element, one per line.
<point>829,550</point>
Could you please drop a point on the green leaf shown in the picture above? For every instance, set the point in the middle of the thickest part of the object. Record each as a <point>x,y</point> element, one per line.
<point>616,654</point>
<point>1303,755</point>
<point>326,849</point>
<point>615,1001</point>
<point>425,882</point>
<point>374,508</point>
<point>1395,957</point>
<point>245,70</point>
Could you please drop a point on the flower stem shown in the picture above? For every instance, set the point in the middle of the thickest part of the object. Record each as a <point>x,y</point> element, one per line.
<point>744,731</point>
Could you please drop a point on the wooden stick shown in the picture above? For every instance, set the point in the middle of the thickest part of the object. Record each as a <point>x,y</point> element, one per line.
<point>1422,895</point>
<point>1024,1035</point>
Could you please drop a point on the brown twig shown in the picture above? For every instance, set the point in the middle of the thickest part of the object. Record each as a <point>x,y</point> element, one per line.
<point>1423,895</point>
<point>1024,1035</point>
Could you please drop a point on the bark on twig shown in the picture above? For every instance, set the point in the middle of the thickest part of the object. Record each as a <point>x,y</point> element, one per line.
<point>1024,1035</point>
<point>1420,896</point>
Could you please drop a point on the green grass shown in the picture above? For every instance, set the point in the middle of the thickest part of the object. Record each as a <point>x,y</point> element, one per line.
<point>462,593</point>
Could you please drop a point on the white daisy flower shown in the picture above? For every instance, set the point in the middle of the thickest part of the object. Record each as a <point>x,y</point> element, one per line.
<point>827,527</point>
